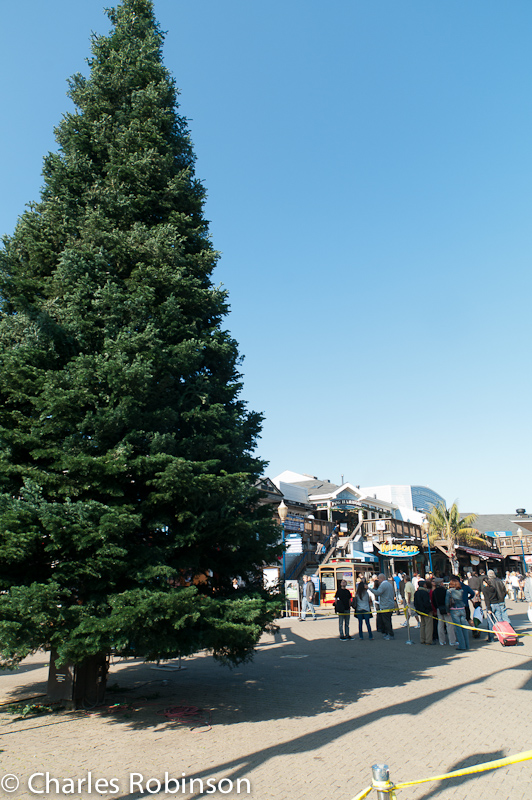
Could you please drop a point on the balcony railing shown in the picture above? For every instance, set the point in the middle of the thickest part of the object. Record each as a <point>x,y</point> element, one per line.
<point>514,545</point>
<point>397,528</point>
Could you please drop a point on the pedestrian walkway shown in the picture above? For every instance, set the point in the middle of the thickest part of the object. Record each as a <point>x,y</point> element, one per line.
<point>308,717</point>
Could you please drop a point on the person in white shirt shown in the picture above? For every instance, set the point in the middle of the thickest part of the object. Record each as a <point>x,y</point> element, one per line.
<point>514,583</point>
<point>410,590</point>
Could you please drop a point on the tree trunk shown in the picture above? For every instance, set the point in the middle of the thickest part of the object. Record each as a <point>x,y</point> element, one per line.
<point>78,685</point>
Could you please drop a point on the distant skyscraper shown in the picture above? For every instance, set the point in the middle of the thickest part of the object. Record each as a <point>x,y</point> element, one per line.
<point>417,498</point>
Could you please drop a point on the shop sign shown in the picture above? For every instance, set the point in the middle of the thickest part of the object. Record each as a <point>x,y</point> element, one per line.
<point>291,590</point>
<point>398,550</point>
<point>293,523</point>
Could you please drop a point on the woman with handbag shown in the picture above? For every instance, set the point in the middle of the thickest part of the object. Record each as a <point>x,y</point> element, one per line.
<point>362,606</point>
<point>342,602</point>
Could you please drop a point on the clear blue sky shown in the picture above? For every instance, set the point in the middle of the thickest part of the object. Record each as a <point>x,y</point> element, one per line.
<point>369,172</point>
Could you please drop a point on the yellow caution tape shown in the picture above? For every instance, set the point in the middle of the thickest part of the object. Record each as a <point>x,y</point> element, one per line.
<point>466,627</point>
<point>406,609</point>
<point>381,786</point>
<point>497,764</point>
<point>390,787</point>
<point>456,624</point>
<point>364,793</point>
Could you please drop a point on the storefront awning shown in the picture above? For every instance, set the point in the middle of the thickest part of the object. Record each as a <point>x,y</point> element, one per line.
<point>484,554</point>
<point>365,558</point>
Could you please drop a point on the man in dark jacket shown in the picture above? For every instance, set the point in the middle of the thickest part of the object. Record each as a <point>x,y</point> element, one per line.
<point>423,606</point>
<point>475,583</point>
<point>438,603</point>
<point>343,609</point>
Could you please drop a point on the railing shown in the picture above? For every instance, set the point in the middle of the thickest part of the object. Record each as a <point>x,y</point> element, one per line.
<point>397,528</point>
<point>514,545</point>
<point>299,566</point>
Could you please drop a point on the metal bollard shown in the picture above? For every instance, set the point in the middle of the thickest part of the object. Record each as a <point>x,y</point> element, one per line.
<point>409,640</point>
<point>381,774</point>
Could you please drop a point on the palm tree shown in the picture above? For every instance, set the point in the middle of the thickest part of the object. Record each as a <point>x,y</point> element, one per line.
<point>446,523</point>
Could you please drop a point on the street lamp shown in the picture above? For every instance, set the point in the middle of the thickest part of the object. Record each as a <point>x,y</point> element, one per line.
<point>283,513</point>
<point>520,534</point>
<point>426,528</point>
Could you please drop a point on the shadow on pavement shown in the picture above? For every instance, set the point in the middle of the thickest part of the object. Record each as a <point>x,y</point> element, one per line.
<point>470,761</point>
<point>241,767</point>
<point>290,677</point>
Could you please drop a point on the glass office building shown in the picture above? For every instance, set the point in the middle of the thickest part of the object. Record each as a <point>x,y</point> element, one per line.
<point>423,498</point>
<point>415,498</point>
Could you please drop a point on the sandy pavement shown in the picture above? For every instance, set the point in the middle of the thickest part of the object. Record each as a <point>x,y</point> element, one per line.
<point>307,718</point>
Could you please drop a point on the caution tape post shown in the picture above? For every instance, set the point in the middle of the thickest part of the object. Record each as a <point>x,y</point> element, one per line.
<point>386,790</point>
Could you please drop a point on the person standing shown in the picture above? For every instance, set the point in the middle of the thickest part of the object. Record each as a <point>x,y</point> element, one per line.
<point>474,582</point>
<point>372,584</point>
<point>362,608</point>
<point>454,604</point>
<point>320,551</point>
<point>514,583</point>
<point>409,600</point>
<point>468,594</point>
<point>528,587</point>
<point>307,598</point>
<point>397,582</point>
<point>423,606</point>
<point>386,596</point>
<point>402,585</point>
<point>494,592</point>
<point>438,602</point>
<point>335,535</point>
<point>342,607</point>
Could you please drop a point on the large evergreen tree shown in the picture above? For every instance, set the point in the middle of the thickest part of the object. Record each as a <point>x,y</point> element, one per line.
<point>126,463</point>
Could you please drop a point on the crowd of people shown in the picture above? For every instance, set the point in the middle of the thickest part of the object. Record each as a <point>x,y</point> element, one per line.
<point>446,611</point>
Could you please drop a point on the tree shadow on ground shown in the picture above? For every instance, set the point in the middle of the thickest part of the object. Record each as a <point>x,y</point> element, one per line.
<point>470,761</point>
<point>291,676</point>
<point>241,767</point>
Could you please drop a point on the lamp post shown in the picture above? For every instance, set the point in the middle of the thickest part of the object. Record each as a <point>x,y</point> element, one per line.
<point>283,513</point>
<point>520,534</point>
<point>426,528</point>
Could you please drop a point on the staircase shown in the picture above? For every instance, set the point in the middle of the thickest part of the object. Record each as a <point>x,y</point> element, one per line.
<point>343,543</point>
<point>295,570</point>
